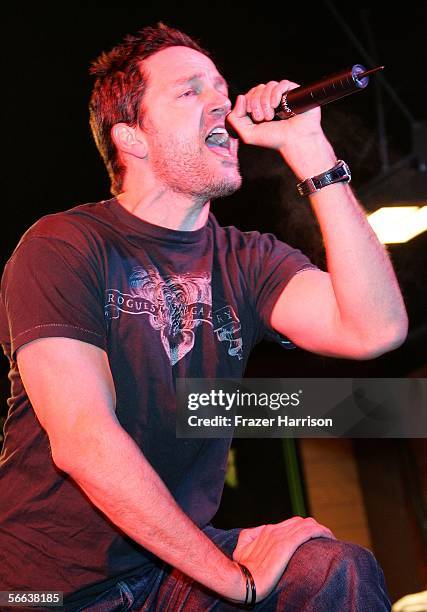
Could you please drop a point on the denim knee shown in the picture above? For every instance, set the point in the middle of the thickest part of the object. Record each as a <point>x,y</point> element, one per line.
<point>331,556</point>
<point>331,552</point>
<point>326,574</point>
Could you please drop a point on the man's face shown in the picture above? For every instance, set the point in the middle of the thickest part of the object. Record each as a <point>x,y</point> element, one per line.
<point>185,99</point>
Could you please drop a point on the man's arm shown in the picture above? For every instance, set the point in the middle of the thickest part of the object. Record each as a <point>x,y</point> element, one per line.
<point>355,310</point>
<point>71,389</point>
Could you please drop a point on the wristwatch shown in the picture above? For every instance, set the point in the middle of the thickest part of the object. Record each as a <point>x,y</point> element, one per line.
<point>340,173</point>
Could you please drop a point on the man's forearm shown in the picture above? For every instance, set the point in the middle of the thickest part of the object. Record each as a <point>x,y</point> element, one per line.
<point>366,290</point>
<point>119,480</point>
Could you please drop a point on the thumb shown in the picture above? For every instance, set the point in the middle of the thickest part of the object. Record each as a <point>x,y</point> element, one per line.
<point>246,536</point>
<point>238,119</point>
<point>239,109</point>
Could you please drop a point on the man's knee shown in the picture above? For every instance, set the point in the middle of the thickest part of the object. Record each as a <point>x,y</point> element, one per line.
<point>325,574</point>
<point>321,558</point>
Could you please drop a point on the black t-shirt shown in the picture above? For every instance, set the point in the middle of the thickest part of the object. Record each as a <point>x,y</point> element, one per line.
<point>163,304</point>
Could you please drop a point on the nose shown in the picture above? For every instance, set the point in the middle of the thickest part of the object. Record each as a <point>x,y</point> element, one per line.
<point>220,105</point>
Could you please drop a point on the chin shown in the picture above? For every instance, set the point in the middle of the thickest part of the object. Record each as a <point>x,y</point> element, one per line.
<point>225,187</point>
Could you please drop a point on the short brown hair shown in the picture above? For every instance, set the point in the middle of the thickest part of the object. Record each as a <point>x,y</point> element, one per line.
<point>119,88</point>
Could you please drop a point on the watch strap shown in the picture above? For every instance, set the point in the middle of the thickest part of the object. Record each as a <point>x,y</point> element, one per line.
<point>338,174</point>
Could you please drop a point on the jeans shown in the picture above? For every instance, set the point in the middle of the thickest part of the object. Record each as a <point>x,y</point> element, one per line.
<point>323,575</point>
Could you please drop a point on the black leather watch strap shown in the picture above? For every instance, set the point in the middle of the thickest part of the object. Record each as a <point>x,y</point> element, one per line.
<point>338,174</point>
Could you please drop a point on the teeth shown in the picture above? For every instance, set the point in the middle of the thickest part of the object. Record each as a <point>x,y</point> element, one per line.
<point>218,136</point>
<point>218,130</point>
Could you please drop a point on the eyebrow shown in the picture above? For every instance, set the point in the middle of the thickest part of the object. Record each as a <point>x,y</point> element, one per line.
<point>218,80</point>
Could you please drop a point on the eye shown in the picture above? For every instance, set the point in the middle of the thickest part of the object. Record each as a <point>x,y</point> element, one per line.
<point>188,93</point>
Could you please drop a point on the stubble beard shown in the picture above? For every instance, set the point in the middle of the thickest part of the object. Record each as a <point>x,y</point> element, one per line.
<point>184,168</point>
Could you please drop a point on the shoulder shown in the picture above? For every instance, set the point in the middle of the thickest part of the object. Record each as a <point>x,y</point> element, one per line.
<point>247,242</point>
<point>84,218</point>
<point>81,227</point>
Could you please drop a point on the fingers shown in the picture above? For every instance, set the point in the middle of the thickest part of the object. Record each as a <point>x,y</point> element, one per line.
<point>296,530</point>
<point>263,99</point>
<point>305,526</point>
<point>288,534</point>
<point>260,102</point>
<point>314,529</point>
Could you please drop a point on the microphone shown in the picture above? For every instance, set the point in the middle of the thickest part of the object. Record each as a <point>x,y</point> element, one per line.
<point>328,89</point>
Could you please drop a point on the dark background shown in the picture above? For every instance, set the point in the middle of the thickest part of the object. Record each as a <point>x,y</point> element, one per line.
<point>52,163</point>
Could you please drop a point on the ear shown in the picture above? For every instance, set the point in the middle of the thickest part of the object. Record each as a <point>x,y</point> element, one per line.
<point>129,140</point>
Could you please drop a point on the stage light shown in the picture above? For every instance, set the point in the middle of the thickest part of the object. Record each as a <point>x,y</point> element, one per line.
<point>396,224</point>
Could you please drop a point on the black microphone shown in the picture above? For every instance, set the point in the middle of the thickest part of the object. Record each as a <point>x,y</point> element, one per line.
<point>328,89</point>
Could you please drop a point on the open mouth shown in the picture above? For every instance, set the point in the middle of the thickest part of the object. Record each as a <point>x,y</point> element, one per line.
<point>218,139</point>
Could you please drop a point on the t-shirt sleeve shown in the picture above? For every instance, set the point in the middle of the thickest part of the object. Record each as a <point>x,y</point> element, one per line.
<point>50,289</point>
<point>273,264</point>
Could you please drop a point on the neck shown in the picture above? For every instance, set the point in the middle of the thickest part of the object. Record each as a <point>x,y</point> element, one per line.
<point>165,208</point>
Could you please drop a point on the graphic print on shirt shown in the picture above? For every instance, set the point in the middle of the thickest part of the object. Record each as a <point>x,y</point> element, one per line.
<point>175,306</point>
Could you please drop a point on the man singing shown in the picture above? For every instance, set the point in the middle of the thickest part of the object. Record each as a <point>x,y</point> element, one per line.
<point>105,305</point>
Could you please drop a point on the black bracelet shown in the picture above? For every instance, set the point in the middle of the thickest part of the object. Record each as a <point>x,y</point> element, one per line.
<point>250,582</point>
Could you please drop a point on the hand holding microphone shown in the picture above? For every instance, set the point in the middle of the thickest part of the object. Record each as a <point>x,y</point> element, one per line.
<point>304,98</point>
<point>301,141</point>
